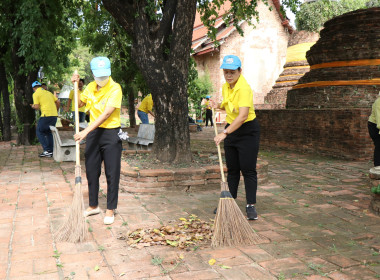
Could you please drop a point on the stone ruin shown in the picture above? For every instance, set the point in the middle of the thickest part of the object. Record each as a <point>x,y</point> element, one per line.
<point>295,67</point>
<point>345,63</point>
<point>327,111</point>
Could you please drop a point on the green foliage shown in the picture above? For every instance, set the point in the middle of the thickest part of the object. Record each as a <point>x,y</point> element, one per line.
<point>311,17</point>
<point>372,3</point>
<point>376,190</point>
<point>102,35</point>
<point>240,10</point>
<point>80,59</point>
<point>198,88</point>
<point>41,32</point>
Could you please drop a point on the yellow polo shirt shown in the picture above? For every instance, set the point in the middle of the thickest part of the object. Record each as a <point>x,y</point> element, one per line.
<point>147,104</point>
<point>96,101</point>
<point>207,104</point>
<point>71,97</point>
<point>375,113</point>
<point>46,100</point>
<point>240,96</point>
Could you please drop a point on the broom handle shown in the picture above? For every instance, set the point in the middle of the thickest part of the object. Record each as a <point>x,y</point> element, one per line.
<point>77,144</point>
<point>218,146</point>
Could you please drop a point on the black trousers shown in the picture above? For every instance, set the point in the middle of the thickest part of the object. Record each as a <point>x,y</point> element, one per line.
<point>241,148</point>
<point>374,133</point>
<point>209,117</point>
<point>103,145</point>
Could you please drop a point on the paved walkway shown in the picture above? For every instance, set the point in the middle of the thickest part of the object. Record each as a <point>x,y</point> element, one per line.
<point>313,213</point>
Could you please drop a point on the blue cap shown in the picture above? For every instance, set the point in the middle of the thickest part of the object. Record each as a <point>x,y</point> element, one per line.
<point>231,62</point>
<point>208,96</point>
<point>36,83</point>
<point>101,66</point>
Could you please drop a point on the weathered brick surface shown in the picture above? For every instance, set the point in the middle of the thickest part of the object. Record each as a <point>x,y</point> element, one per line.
<point>331,237</point>
<point>126,171</point>
<point>161,180</point>
<point>332,97</point>
<point>340,133</point>
<point>292,72</point>
<point>375,198</point>
<point>155,172</point>
<point>352,36</point>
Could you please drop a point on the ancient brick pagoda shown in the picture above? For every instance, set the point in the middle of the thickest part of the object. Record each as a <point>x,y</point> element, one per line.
<point>295,67</point>
<point>344,64</point>
<point>327,111</point>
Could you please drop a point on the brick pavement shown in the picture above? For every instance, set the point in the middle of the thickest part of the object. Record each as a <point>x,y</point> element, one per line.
<point>313,213</point>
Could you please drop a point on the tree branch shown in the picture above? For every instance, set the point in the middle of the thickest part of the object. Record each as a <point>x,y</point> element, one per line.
<point>167,21</point>
<point>123,12</point>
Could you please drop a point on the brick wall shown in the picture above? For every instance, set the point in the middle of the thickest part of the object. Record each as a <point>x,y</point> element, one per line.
<point>332,97</point>
<point>334,132</point>
<point>163,180</point>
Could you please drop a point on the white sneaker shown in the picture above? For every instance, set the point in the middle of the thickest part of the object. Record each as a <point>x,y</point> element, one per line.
<point>109,220</point>
<point>91,212</point>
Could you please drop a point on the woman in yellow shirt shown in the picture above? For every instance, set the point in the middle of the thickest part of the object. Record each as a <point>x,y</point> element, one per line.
<point>103,98</point>
<point>374,133</point>
<point>241,135</point>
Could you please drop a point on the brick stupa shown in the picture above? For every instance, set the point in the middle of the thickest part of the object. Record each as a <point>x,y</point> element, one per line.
<point>295,67</point>
<point>327,111</point>
<point>345,68</point>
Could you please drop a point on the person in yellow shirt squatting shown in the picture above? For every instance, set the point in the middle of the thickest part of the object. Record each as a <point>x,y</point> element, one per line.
<point>241,135</point>
<point>48,104</point>
<point>145,107</point>
<point>103,98</point>
<point>71,102</point>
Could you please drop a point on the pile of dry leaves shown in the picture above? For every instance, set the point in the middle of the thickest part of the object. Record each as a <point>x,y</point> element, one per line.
<point>188,233</point>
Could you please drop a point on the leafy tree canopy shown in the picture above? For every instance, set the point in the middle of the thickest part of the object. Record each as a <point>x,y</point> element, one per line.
<point>40,33</point>
<point>312,16</point>
<point>103,35</point>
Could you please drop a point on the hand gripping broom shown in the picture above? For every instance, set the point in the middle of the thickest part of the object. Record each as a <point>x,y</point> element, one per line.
<point>231,227</point>
<point>74,229</point>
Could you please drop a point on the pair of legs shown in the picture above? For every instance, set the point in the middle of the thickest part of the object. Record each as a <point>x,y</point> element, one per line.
<point>374,133</point>
<point>82,116</point>
<point>241,148</point>
<point>209,117</point>
<point>143,117</point>
<point>44,134</point>
<point>103,145</point>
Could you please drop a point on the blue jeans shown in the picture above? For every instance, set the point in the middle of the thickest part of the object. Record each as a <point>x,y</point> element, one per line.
<point>82,116</point>
<point>143,116</point>
<point>44,133</point>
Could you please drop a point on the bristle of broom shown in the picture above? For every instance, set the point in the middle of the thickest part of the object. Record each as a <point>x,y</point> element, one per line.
<point>231,227</point>
<point>74,229</point>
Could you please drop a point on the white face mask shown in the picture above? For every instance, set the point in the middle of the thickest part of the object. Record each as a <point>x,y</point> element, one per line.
<point>102,81</point>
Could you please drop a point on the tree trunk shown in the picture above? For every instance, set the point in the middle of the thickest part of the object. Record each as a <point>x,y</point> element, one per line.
<point>23,96</point>
<point>131,106</point>
<point>162,52</point>
<point>6,117</point>
<point>1,125</point>
<point>172,139</point>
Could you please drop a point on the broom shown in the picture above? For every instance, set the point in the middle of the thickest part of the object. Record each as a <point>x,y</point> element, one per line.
<point>74,228</point>
<point>231,227</point>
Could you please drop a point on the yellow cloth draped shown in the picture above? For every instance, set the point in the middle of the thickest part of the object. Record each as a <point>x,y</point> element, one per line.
<point>347,63</point>
<point>298,52</point>
<point>339,83</point>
